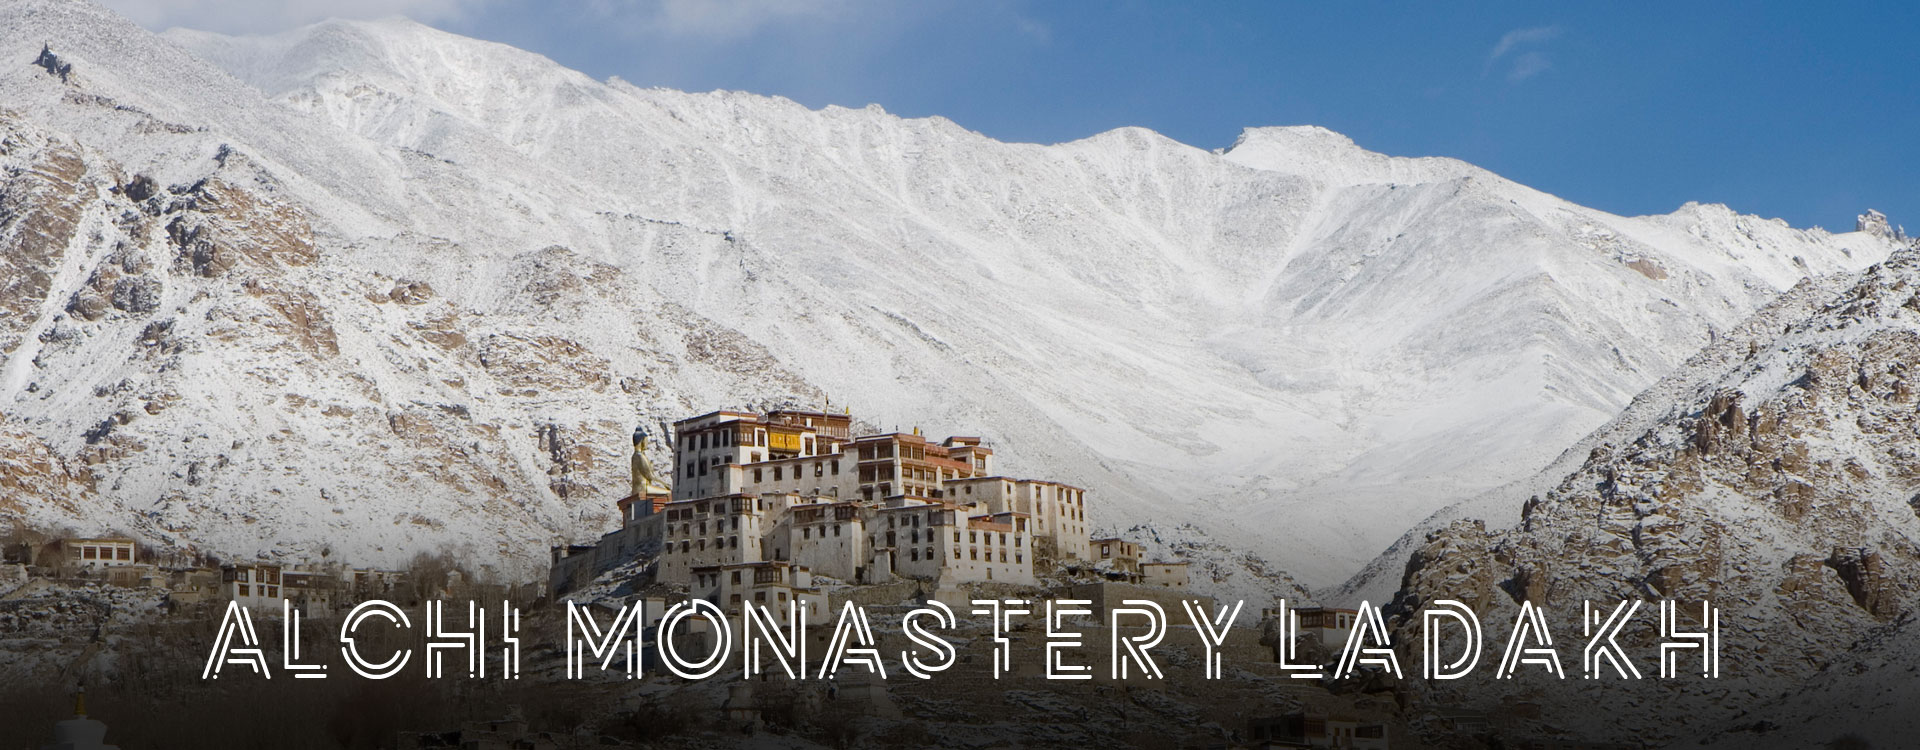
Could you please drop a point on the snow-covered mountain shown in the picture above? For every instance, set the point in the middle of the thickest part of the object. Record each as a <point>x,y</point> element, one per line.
<point>1775,475</point>
<point>370,288</point>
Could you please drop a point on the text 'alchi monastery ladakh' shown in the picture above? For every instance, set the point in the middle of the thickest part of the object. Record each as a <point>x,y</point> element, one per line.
<point>760,505</point>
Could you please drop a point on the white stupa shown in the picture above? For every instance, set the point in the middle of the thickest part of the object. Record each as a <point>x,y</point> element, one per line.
<point>80,732</point>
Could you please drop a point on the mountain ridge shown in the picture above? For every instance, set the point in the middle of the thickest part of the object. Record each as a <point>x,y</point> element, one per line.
<point>1196,339</point>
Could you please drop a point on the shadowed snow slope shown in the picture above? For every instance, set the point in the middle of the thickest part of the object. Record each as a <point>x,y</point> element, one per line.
<point>1296,345</point>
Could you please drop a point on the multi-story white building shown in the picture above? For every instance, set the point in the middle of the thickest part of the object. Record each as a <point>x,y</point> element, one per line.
<point>712,450</point>
<point>769,584</point>
<point>1058,510</point>
<point>830,539</point>
<point>721,530</point>
<point>798,488</point>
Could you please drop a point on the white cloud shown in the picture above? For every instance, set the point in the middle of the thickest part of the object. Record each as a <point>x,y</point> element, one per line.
<point>1036,30</point>
<point>719,19</point>
<point>1517,37</point>
<point>260,16</point>
<point>1528,63</point>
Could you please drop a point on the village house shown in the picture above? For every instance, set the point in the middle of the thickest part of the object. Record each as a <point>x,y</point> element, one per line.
<point>255,586</point>
<point>313,592</point>
<point>95,553</point>
<point>1329,625</point>
<point>1171,575</point>
<point>1122,556</point>
<point>114,560</point>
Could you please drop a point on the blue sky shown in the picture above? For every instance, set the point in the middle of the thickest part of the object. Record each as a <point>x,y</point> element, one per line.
<point>1800,111</point>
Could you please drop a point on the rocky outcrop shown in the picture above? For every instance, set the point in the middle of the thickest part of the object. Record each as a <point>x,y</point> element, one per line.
<point>215,226</point>
<point>53,64</point>
<point>31,472</point>
<point>1875,223</point>
<point>1778,488</point>
<point>42,194</point>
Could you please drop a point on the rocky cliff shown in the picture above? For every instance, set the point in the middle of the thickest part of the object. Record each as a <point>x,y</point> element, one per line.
<point>1776,475</point>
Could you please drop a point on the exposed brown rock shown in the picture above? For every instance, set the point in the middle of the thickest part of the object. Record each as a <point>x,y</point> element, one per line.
<point>220,226</point>
<point>42,195</point>
<point>411,293</point>
<point>531,365</point>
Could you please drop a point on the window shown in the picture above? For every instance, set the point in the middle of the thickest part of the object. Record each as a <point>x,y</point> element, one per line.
<point>834,467</point>
<point>806,532</point>
<point>956,536</point>
<point>756,476</point>
<point>122,554</point>
<point>736,578</point>
<point>956,553</point>
<point>776,473</point>
<point>973,553</point>
<point>836,529</point>
<point>245,590</point>
<point>915,554</point>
